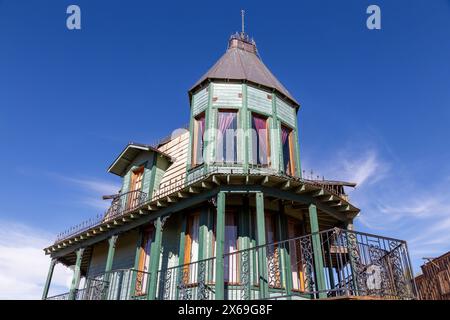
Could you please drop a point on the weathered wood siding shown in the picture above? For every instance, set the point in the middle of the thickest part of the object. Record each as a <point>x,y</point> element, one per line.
<point>259,101</point>
<point>177,148</point>
<point>286,113</point>
<point>200,100</point>
<point>145,159</point>
<point>123,257</point>
<point>227,95</point>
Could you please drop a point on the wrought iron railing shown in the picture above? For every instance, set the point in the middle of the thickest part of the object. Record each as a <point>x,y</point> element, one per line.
<point>120,205</point>
<point>331,263</point>
<point>120,284</point>
<point>342,263</point>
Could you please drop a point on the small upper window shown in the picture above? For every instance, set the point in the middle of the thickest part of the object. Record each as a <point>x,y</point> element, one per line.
<point>198,140</point>
<point>260,140</point>
<point>287,140</point>
<point>226,150</point>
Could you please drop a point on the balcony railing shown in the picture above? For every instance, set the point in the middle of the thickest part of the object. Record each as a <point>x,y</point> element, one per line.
<point>120,205</point>
<point>329,264</point>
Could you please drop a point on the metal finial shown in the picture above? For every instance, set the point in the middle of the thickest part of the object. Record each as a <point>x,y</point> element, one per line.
<point>243,22</point>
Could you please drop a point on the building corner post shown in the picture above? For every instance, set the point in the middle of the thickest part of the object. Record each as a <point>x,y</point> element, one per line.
<point>155,254</point>
<point>109,263</point>
<point>76,274</point>
<point>317,249</point>
<point>261,242</point>
<point>49,278</point>
<point>220,243</point>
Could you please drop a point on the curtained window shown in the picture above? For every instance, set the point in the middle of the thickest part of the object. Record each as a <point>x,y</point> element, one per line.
<point>297,267</point>
<point>144,261</point>
<point>260,140</point>
<point>135,185</point>
<point>191,246</point>
<point>226,150</point>
<point>198,140</point>
<point>231,274</point>
<point>287,140</point>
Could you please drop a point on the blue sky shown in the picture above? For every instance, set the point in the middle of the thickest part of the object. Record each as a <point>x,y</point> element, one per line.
<point>375,104</point>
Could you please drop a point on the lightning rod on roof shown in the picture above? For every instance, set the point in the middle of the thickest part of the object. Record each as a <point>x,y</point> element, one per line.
<point>243,23</point>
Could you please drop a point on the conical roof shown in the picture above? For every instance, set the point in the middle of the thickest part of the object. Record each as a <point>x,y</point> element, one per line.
<point>242,62</point>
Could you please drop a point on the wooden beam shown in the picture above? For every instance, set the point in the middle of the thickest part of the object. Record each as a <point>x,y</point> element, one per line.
<point>207,185</point>
<point>286,185</point>
<point>194,190</point>
<point>182,195</point>
<point>265,181</point>
<point>216,180</point>
<point>301,189</point>
<point>171,199</point>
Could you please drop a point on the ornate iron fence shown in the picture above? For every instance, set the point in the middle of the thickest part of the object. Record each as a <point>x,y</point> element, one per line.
<point>120,205</point>
<point>331,263</point>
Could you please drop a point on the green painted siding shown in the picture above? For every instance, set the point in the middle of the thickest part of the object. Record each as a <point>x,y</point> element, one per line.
<point>259,100</point>
<point>200,102</point>
<point>145,159</point>
<point>286,113</point>
<point>123,256</point>
<point>126,182</point>
<point>227,95</point>
<point>161,166</point>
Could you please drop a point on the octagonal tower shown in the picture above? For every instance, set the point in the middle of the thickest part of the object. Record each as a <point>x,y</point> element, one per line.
<point>242,116</point>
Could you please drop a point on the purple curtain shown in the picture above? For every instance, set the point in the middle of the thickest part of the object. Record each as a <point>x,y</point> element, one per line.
<point>201,124</point>
<point>226,148</point>
<point>284,134</point>
<point>260,125</point>
<point>225,120</point>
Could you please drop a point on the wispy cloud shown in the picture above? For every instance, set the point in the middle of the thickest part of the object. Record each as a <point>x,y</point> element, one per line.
<point>393,201</point>
<point>94,185</point>
<point>23,265</point>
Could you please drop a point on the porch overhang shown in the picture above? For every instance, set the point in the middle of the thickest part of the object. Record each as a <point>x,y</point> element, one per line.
<point>204,188</point>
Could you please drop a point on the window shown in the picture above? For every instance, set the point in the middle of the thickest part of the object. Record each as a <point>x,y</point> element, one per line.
<point>287,140</point>
<point>135,186</point>
<point>144,262</point>
<point>191,245</point>
<point>297,267</point>
<point>226,150</point>
<point>198,140</point>
<point>231,274</point>
<point>260,140</point>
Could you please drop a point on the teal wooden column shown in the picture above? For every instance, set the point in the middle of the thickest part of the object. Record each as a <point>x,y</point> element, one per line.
<point>136,265</point>
<point>261,241</point>
<point>155,254</point>
<point>111,250</point>
<point>317,249</point>
<point>109,263</point>
<point>220,243</point>
<point>76,274</point>
<point>49,278</point>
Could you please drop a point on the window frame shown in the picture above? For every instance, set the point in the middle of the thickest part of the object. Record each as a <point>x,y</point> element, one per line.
<point>291,144</point>
<point>195,141</point>
<point>236,144</point>
<point>267,138</point>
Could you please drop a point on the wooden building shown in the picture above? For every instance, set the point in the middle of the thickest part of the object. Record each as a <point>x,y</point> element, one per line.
<point>221,211</point>
<point>434,282</point>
